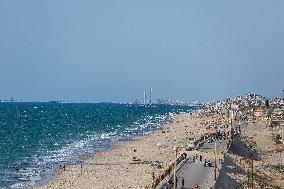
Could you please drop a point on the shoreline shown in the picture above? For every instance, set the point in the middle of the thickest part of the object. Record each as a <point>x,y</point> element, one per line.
<point>122,158</point>
<point>81,158</point>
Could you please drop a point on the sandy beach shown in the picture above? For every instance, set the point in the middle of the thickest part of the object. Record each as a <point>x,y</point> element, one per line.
<point>130,164</point>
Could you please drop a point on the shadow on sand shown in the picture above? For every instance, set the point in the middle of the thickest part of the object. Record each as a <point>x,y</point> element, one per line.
<point>224,181</point>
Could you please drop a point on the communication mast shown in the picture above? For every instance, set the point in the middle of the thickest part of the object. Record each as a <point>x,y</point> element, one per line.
<point>145,97</point>
<point>150,95</point>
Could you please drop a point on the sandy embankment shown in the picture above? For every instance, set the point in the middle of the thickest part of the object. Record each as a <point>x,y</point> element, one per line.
<point>115,168</point>
<point>271,155</point>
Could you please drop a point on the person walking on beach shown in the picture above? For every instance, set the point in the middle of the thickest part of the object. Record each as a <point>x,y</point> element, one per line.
<point>200,158</point>
<point>184,156</point>
<point>177,181</point>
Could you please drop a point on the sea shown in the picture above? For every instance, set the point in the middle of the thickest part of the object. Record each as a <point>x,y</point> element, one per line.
<point>36,138</point>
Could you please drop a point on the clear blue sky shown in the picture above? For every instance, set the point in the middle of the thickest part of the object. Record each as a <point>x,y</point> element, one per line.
<point>111,50</point>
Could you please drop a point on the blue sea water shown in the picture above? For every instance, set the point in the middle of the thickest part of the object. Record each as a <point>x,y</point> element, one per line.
<point>35,138</point>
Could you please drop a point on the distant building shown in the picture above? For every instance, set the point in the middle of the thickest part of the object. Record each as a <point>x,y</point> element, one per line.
<point>260,112</point>
<point>278,113</point>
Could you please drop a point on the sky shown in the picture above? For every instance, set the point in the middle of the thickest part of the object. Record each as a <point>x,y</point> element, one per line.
<point>113,50</point>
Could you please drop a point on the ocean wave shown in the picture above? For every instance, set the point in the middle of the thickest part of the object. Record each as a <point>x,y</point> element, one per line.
<point>38,168</point>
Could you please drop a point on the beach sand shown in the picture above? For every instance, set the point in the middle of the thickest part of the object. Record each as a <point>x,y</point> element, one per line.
<point>270,155</point>
<point>120,167</point>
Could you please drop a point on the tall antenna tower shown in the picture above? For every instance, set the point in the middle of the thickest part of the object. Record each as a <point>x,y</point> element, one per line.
<point>145,97</point>
<point>150,95</point>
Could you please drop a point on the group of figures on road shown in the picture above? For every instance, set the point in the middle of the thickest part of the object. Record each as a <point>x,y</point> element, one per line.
<point>198,158</point>
<point>170,185</point>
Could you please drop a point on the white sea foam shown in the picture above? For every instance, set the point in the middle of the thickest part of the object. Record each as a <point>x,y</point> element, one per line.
<point>42,165</point>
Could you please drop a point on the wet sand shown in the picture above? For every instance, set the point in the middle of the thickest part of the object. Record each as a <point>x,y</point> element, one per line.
<point>130,164</point>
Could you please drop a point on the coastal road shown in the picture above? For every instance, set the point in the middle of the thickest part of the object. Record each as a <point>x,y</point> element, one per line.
<point>210,147</point>
<point>194,172</point>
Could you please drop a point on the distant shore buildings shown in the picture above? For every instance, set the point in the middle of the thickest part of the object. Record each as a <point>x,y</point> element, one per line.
<point>252,106</point>
<point>10,100</point>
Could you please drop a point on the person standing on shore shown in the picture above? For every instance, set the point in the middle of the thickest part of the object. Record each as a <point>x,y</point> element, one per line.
<point>184,156</point>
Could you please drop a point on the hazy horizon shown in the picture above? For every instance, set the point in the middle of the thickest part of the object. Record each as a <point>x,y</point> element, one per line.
<point>114,50</point>
<point>154,100</point>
